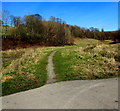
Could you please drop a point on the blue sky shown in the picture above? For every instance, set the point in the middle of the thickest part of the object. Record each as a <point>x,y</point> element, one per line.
<point>84,14</point>
<point>61,0</point>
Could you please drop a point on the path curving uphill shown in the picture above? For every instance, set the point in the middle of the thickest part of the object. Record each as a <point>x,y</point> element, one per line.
<point>50,69</point>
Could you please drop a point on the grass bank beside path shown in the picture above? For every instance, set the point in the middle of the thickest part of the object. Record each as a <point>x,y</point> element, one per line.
<point>89,59</point>
<point>24,69</point>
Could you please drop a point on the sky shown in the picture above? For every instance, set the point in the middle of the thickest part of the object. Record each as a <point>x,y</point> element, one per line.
<point>84,14</point>
<point>60,0</point>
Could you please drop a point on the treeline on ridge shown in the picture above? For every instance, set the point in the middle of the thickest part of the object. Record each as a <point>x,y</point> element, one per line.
<point>33,29</point>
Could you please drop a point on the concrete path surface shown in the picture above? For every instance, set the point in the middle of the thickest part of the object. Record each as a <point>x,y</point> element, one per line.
<point>79,94</point>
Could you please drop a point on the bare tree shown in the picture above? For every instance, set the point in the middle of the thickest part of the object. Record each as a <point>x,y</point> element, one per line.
<point>17,21</point>
<point>12,20</point>
<point>5,18</point>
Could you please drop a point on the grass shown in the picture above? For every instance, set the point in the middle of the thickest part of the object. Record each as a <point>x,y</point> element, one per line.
<point>25,69</point>
<point>10,55</point>
<point>25,72</point>
<point>89,59</point>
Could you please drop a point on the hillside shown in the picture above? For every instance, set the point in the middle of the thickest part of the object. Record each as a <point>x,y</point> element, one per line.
<point>33,30</point>
<point>25,68</point>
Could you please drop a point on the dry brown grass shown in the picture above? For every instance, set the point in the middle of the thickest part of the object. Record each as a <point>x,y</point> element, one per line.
<point>90,59</point>
<point>6,77</point>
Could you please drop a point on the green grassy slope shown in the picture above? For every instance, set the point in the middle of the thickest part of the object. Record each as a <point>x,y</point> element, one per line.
<point>25,69</point>
<point>89,59</point>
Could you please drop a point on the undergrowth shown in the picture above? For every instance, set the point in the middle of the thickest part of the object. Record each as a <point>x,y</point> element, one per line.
<point>89,59</point>
<point>26,72</point>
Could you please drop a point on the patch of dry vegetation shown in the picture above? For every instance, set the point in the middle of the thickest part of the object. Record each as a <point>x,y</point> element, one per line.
<point>27,71</point>
<point>90,59</point>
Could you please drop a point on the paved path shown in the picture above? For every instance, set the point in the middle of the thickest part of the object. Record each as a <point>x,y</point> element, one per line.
<point>79,94</point>
<point>50,69</point>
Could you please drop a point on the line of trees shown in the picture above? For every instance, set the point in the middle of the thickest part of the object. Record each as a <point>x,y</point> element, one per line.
<point>34,29</point>
<point>95,33</point>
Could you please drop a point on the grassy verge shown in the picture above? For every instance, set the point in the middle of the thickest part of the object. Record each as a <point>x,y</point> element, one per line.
<point>10,55</point>
<point>89,59</point>
<point>25,72</point>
